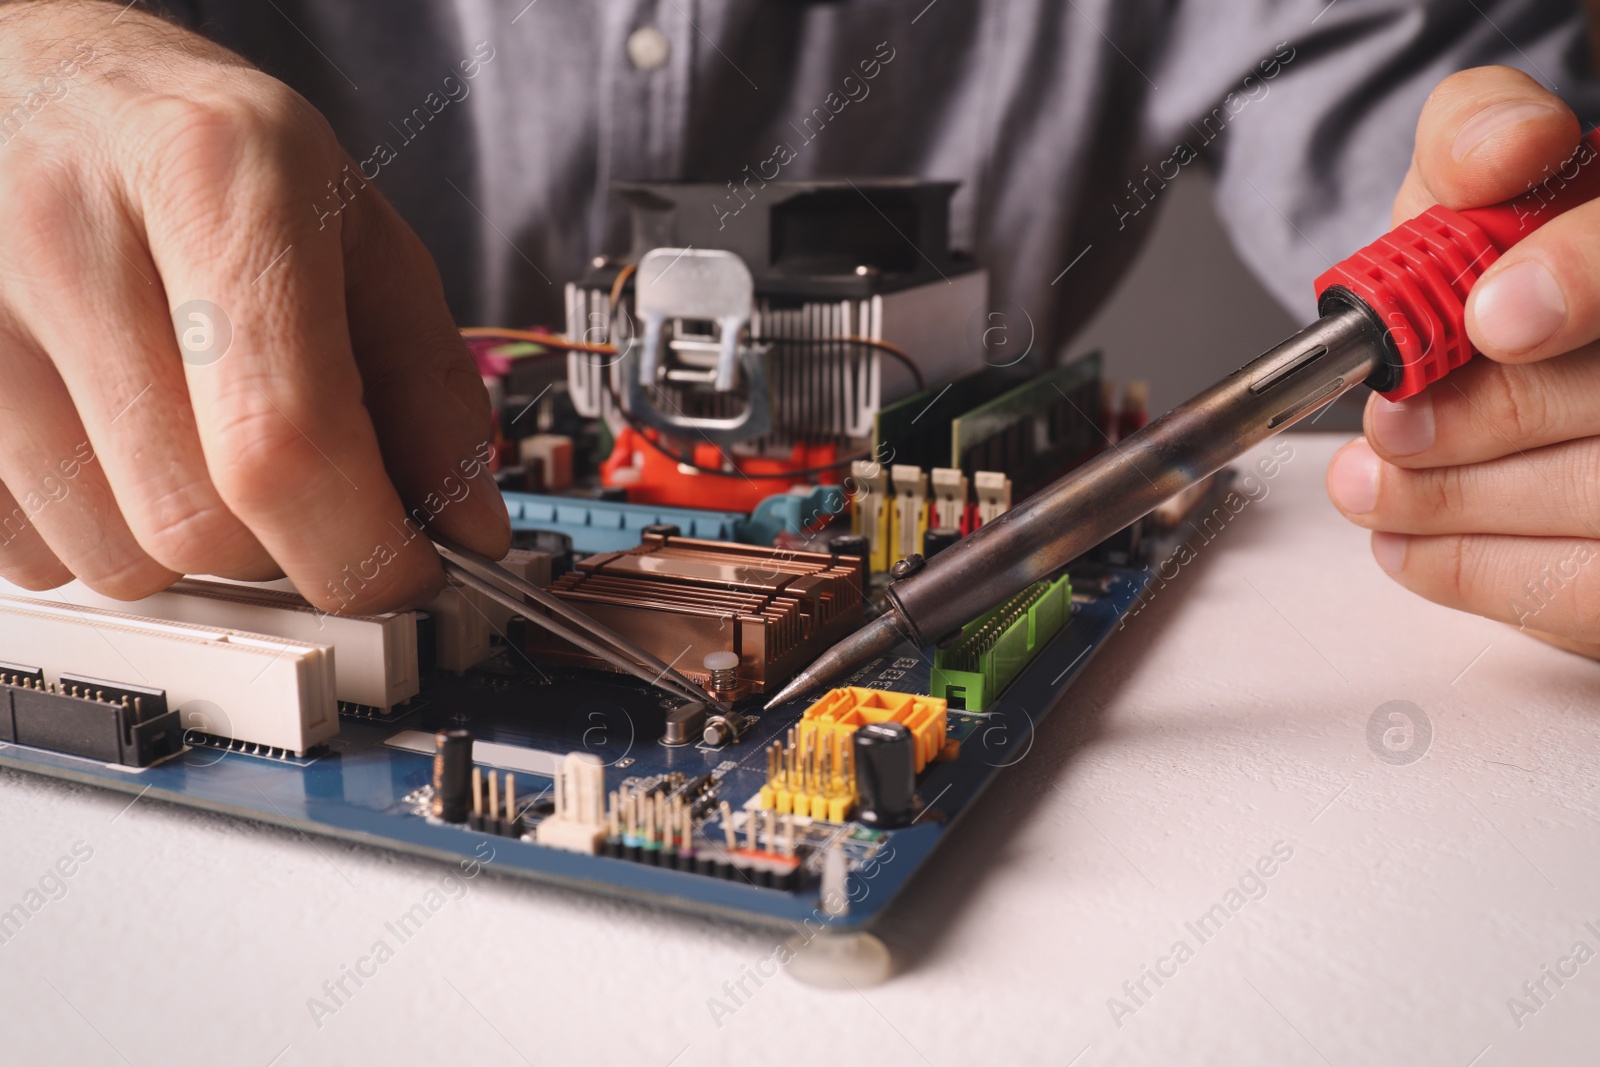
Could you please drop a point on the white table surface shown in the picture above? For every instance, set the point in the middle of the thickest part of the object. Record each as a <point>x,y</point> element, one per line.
<point>1230,716</point>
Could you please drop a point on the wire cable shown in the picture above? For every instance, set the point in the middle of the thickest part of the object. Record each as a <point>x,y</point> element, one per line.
<point>536,337</point>
<point>622,279</point>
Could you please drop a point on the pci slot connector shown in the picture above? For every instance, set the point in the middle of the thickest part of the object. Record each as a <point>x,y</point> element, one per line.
<point>996,645</point>
<point>271,692</point>
<point>377,654</point>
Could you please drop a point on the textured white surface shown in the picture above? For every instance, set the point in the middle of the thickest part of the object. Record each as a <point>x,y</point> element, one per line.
<point>1230,716</point>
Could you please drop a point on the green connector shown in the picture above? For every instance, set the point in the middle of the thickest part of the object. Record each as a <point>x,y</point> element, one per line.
<point>994,647</point>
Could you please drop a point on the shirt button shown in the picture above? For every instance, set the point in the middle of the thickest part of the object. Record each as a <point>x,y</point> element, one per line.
<point>648,48</point>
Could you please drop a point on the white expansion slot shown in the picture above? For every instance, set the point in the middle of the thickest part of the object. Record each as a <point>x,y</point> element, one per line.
<point>532,567</point>
<point>265,690</point>
<point>461,628</point>
<point>377,654</point>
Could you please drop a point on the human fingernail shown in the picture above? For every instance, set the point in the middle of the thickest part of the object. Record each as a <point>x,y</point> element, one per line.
<point>1490,121</point>
<point>1389,549</point>
<point>1353,479</point>
<point>1519,308</point>
<point>1404,427</point>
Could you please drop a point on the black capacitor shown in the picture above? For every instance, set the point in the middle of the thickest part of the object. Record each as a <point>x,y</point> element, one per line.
<point>849,545</point>
<point>886,773</point>
<point>938,538</point>
<point>452,775</point>
<point>662,529</point>
<point>854,545</point>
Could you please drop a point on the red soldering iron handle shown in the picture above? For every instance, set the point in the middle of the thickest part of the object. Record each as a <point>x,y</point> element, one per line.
<point>1416,278</point>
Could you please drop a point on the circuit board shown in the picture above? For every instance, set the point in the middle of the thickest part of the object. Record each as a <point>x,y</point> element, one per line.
<point>806,416</point>
<point>371,783</point>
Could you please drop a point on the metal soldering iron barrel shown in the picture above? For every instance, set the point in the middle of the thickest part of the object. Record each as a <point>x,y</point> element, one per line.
<point>1120,485</point>
<point>1129,479</point>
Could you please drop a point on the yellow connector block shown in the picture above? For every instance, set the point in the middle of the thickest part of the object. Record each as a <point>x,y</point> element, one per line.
<point>842,710</point>
<point>814,772</point>
<point>882,553</point>
<point>813,775</point>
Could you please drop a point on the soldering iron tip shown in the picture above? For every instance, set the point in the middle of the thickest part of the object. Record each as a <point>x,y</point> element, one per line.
<point>787,692</point>
<point>874,639</point>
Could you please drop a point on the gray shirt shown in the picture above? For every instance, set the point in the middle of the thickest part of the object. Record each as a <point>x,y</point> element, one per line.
<point>496,125</point>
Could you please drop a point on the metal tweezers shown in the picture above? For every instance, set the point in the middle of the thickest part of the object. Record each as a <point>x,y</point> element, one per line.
<point>482,574</point>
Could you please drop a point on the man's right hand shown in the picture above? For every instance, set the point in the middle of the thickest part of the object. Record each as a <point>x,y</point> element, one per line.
<point>202,369</point>
<point>1481,489</point>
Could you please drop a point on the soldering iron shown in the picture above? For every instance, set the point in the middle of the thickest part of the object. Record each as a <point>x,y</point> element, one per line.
<point>1393,318</point>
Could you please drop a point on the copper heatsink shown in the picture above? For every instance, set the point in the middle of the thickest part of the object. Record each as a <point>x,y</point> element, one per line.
<point>681,599</point>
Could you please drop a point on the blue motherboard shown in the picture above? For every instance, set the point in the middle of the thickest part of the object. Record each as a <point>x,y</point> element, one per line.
<point>371,783</point>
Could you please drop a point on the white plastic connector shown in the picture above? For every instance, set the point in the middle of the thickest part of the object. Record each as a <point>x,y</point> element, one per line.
<point>462,624</point>
<point>269,691</point>
<point>552,454</point>
<point>910,508</point>
<point>578,824</point>
<point>994,494</point>
<point>869,517</point>
<point>377,654</point>
<point>835,898</point>
<point>532,567</point>
<point>949,497</point>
